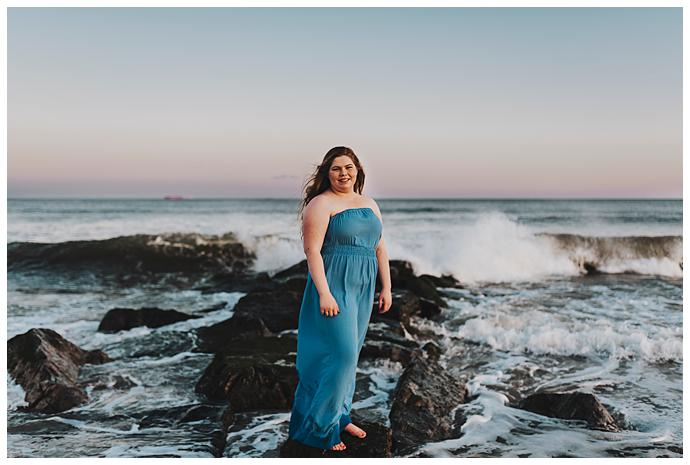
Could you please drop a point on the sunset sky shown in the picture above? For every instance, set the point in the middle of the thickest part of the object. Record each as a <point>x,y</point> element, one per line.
<point>436,102</point>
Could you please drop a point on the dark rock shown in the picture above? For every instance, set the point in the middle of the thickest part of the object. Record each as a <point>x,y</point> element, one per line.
<point>248,383</point>
<point>167,417</point>
<point>218,442</point>
<point>213,338</point>
<point>429,309</point>
<point>571,406</point>
<point>403,277</point>
<point>405,304</point>
<point>298,270</point>
<point>445,280</point>
<point>388,326</point>
<point>46,366</point>
<point>118,319</point>
<point>279,309</point>
<point>383,343</point>
<point>290,278</point>
<point>200,412</point>
<point>422,404</point>
<point>228,281</point>
<point>376,444</point>
<point>94,357</point>
<point>57,398</point>
<point>117,382</point>
<point>42,427</point>
<point>219,439</point>
<point>392,352</point>
<point>432,350</point>
<point>174,252</point>
<point>296,285</point>
<point>293,449</point>
<point>214,308</point>
<point>269,349</point>
<point>202,419</point>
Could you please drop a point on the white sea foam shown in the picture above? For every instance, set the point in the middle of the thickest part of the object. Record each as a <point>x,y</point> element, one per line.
<point>76,317</point>
<point>15,394</point>
<point>125,450</point>
<point>496,248</point>
<point>523,433</point>
<point>477,243</point>
<point>545,333</point>
<point>384,376</point>
<point>264,433</point>
<point>492,247</point>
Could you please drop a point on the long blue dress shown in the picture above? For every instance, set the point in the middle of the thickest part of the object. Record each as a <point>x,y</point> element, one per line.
<point>328,346</point>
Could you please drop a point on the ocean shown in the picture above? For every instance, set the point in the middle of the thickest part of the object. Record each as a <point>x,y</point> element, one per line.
<point>561,294</point>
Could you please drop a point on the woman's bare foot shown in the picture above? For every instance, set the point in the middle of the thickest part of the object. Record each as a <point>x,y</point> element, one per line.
<point>355,430</point>
<point>339,446</point>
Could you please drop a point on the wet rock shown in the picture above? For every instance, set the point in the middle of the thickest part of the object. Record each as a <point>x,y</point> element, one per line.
<point>445,280</point>
<point>279,309</point>
<point>296,285</point>
<point>294,277</point>
<point>376,444</point>
<point>43,427</point>
<point>118,319</point>
<point>214,308</point>
<point>268,349</point>
<point>385,343</point>
<point>571,406</point>
<point>46,366</point>
<point>387,326</point>
<point>168,417</point>
<point>249,374</point>
<point>422,404</point>
<point>219,438</point>
<point>228,281</point>
<point>118,382</point>
<point>293,449</point>
<point>405,304</point>
<point>200,412</point>
<point>174,252</point>
<point>248,383</point>
<point>403,277</point>
<point>382,350</point>
<point>432,351</point>
<point>213,338</point>
<point>429,309</point>
<point>298,270</point>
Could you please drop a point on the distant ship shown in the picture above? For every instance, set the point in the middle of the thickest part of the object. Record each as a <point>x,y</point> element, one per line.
<point>174,197</point>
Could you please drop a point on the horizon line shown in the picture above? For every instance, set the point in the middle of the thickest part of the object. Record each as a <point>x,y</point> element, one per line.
<point>377,198</point>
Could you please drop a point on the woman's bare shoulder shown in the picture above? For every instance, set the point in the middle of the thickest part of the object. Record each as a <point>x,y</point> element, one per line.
<point>370,202</point>
<point>318,206</point>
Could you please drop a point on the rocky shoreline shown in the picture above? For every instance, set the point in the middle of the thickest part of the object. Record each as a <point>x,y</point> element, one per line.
<point>253,365</point>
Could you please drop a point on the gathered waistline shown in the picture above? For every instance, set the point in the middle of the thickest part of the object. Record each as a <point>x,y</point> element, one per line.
<point>347,249</point>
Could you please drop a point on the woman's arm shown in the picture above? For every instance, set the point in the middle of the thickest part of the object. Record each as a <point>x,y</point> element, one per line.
<point>384,266</point>
<point>314,226</point>
<point>385,297</point>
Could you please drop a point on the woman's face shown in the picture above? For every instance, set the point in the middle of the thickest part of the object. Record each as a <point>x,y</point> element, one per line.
<point>342,174</point>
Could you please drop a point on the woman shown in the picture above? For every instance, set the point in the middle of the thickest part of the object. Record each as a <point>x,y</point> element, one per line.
<point>343,242</point>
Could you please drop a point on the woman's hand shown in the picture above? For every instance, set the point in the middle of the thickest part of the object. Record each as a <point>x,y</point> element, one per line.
<point>385,300</point>
<point>329,307</point>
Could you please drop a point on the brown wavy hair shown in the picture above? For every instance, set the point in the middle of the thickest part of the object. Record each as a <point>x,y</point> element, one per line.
<point>318,182</point>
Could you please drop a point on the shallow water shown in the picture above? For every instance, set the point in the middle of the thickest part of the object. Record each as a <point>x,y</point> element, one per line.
<point>621,339</point>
